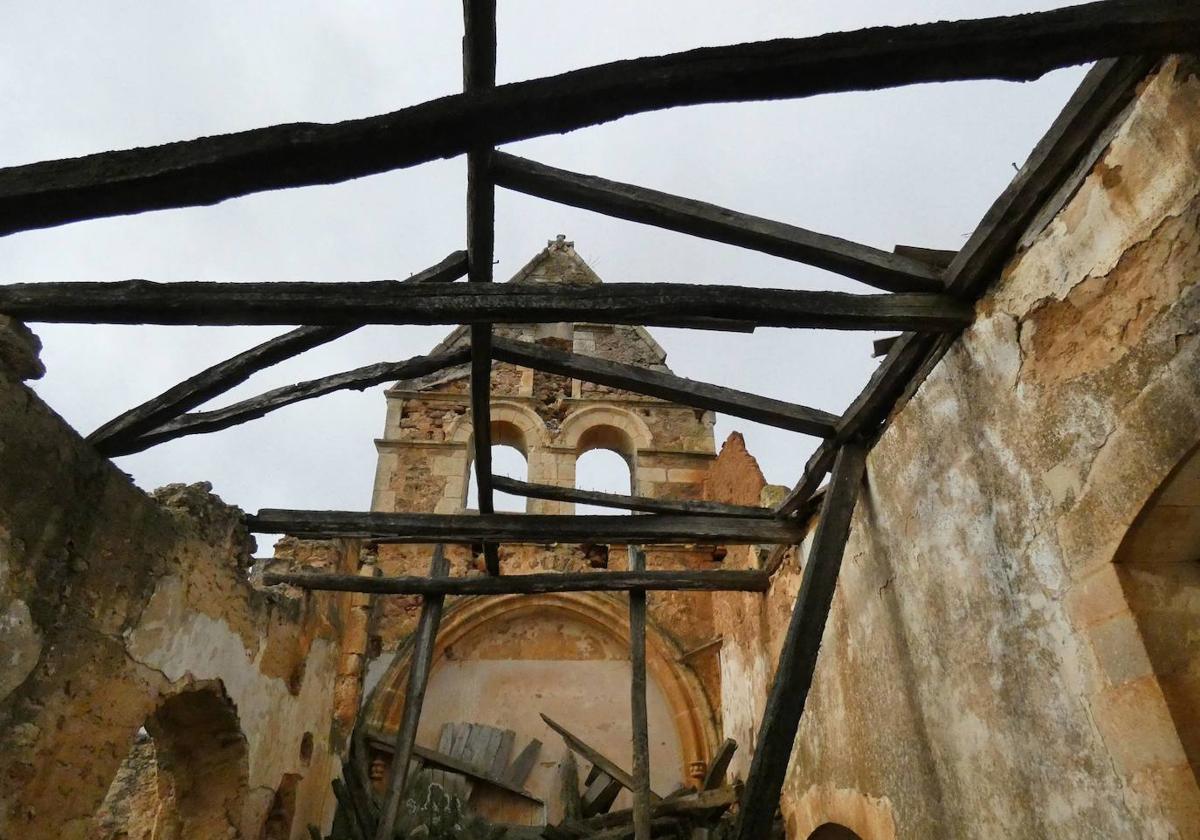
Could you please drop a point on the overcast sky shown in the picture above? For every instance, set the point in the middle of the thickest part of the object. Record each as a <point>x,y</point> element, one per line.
<point>915,166</point>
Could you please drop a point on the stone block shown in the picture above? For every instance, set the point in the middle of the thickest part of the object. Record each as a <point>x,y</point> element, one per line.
<point>1096,596</point>
<point>1119,649</point>
<point>687,476</point>
<point>1137,726</point>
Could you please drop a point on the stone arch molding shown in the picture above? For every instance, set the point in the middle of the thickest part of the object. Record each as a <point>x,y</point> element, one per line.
<point>469,618</point>
<point>868,817</point>
<point>523,419</point>
<point>580,422</point>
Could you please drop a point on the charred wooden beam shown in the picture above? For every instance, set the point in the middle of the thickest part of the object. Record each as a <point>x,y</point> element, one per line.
<point>392,302</point>
<point>479,77</point>
<point>667,386</point>
<point>936,257</point>
<point>698,805</point>
<point>522,527</point>
<point>597,758</point>
<point>865,413</point>
<point>637,701</point>
<point>203,422</point>
<point>211,169</point>
<point>719,580</point>
<point>881,346</point>
<point>891,272</point>
<point>715,776</point>
<point>644,504</point>
<point>219,378</point>
<point>442,761</point>
<point>798,656</point>
<point>414,697</point>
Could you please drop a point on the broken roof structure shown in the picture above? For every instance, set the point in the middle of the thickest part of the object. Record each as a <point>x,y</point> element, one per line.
<point>932,298</point>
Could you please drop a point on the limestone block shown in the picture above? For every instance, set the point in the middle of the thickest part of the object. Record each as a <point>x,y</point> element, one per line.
<point>1120,650</point>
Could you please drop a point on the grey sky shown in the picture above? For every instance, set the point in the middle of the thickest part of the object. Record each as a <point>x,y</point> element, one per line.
<point>915,166</point>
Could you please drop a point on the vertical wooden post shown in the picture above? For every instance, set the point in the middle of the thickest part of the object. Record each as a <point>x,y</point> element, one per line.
<point>418,679</point>
<point>641,735</point>
<point>479,74</point>
<point>798,658</point>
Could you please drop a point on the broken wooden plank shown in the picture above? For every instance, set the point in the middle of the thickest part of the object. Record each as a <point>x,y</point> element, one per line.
<point>644,504</point>
<point>891,272</point>
<point>503,754</point>
<point>937,257</point>
<point>419,666</point>
<point>596,757</point>
<point>667,386</point>
<point>223,376</point>
<point>599,794</point>
<point>693,804</point>
<point>881,346</point>
<point>204,422</point>
<point>392,302</point>
<point>523,764</point>
<point>715,776</point>
<point>637,696</point>
<point>717,580</point>
<point>435,758</point>
<point>568,786</point>
<point>798,656</point>
<point>525,527</point>
<point>212,169</point>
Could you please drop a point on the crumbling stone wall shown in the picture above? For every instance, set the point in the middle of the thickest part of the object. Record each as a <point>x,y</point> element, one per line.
<point>980,674</point>
<point>123,613</point>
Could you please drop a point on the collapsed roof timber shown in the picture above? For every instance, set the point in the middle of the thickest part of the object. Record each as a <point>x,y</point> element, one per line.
<point>928,295</point>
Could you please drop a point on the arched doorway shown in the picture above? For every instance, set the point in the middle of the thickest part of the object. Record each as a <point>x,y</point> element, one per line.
<point>185,775</point>
<point>502,661</point>
<point>1158,565</point>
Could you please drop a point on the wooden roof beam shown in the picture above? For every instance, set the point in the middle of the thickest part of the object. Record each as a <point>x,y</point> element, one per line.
<point>391,302</point>
<point>521,527</point>
<point>667,386</point>
<point>801,646</point>
<point>642,504</point>
<point>203,422</point>
<point>212,169</point>
<point>216,380</point>
<point>716,580</point>
<point>890,272</point>
<point>479,77</point>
